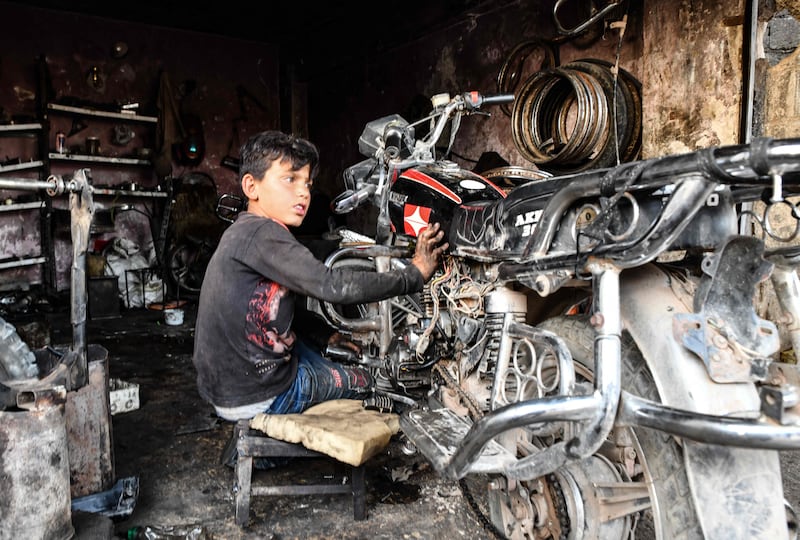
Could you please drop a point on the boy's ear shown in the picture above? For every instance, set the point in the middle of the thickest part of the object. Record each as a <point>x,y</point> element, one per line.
<point>249,186</point>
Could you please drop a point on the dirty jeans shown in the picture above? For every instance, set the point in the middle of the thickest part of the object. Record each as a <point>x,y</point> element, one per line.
<point>318,379</point>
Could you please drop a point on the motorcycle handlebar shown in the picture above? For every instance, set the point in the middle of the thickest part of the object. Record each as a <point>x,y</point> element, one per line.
<point>475,100</point>
<point>349,200</point>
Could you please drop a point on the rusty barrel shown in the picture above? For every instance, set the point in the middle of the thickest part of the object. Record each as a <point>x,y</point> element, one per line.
<point>34,467</point>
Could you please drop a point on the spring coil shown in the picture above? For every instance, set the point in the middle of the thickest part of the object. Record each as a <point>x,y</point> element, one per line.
<point>494,327</point>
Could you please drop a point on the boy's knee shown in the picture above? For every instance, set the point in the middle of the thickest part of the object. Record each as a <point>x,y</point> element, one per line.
<point>360,378</point>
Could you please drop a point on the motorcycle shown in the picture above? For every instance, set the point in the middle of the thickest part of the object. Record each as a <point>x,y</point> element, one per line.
<point>589,354</point>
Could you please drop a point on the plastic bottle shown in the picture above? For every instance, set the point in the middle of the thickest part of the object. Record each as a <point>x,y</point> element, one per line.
<point>148,532</point>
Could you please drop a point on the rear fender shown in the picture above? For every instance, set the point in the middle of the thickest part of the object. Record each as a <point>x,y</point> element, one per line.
<point>650,299</point>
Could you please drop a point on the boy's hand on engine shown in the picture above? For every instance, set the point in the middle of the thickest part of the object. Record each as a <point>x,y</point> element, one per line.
<point>429,251</point>
<point>340,340</point>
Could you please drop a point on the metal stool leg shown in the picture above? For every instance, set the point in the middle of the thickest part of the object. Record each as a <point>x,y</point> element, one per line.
<point>244,471</point>
<point>359,494</point>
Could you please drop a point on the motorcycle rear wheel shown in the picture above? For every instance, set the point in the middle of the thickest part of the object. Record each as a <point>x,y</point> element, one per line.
<point>659,472</point>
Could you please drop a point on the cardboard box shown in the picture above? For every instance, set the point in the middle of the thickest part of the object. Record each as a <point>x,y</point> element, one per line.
<point>124,396</point>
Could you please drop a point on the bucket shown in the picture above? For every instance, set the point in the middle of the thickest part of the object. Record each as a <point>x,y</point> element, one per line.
<point>34,464</point>
<point>173,316</point>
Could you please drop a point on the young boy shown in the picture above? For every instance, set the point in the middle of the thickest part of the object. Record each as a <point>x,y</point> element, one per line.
<point>248,358</point>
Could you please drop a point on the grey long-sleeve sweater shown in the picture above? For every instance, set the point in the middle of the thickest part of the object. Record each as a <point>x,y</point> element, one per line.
<point>243,334</point>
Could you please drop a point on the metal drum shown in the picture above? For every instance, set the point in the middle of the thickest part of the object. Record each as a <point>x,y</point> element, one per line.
<point>34,466</point>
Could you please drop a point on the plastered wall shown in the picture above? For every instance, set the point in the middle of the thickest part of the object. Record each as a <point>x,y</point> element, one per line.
<point>687,56</point>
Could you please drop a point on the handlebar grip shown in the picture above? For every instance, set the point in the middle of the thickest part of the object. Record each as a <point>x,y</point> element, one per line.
<point>349,200</point>
<point>475,100</point>
<point>498,99</point>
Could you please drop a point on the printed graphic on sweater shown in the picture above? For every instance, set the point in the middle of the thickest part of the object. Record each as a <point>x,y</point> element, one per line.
<point>269,318</point>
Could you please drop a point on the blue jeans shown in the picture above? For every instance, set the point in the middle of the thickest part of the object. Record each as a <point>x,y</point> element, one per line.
<point>318,379</point>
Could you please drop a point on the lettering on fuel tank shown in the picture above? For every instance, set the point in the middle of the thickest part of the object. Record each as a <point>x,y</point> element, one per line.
<point>528,221</point>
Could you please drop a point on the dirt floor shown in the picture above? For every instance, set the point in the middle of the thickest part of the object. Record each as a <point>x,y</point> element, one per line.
<point>173,442</point>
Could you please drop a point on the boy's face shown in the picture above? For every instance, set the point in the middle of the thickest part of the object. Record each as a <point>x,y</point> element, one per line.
<point>282,194</point>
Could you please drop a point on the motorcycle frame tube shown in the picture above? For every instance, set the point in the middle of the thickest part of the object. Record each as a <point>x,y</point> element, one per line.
<point>707,428</point>
<point>726,165</point>
<point>689,196</point>
<point>686,200</point>
<point>598,410</point>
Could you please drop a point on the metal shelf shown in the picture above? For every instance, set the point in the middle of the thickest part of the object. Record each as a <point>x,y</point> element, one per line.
<point>129,117</point>
<point>129,193</point>
<point>97,159</point>
<point>10,129</point>
<point>33,131</point>
<point>14,207</point>
<point>22,166</point>
<point>22,262</point>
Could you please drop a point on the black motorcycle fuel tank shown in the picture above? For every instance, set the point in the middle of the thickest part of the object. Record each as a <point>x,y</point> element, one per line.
<point>501,229</point>
<point>431,194</point>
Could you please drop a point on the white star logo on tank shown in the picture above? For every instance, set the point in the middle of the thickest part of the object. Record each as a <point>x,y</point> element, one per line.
<point>415,218</point>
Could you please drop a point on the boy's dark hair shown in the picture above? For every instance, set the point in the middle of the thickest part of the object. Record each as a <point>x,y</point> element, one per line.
<point>260,150</point>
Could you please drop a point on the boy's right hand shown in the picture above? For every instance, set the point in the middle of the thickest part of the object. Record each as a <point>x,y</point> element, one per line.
<point>429,253</point>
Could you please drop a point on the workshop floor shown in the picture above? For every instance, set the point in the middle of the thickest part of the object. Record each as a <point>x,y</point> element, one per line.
<point>173,442</point>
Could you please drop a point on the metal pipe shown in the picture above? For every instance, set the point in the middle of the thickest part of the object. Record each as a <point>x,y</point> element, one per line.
<point>707,428</point>
<point>607,383</point>
<point>598,409</point>
<point>521,414</point>
<point>25,184</point>
<point>370,251</point>
<point>81,206</point>
<point>749,32</point>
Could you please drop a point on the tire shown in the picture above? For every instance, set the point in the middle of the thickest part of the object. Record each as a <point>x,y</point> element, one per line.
<point>17,361</point>
<point>671,514</point>
<point>187,266</point>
